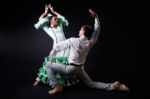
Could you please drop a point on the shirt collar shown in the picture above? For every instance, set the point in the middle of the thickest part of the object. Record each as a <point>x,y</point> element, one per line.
<point>83,38</point>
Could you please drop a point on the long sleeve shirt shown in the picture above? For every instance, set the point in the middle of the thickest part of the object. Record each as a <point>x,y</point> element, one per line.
<point>79,47</point>
<point>56,34</point>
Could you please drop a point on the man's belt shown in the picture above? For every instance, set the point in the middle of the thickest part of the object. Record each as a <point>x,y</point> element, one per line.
<point>75,64</point>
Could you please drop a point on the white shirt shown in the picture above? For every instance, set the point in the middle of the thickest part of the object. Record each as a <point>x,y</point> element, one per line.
<point>79,47</point>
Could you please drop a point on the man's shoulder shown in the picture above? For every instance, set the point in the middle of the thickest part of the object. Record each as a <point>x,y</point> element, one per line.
<point>74,38</point>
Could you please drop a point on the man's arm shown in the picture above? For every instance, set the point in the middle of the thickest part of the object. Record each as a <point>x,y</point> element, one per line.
<point>60,47</point>
<point>96,27</point>
<point>59,16</point>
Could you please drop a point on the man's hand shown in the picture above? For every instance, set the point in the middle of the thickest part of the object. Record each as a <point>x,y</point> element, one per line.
<point>52,53</point>
<point>92,13</point>
<point>51,61</point>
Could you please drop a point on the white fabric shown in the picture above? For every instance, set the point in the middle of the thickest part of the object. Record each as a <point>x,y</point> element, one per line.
<point>79,47</point>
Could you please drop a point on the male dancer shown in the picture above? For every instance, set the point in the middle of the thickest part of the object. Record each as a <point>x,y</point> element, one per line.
<point>79,49</point>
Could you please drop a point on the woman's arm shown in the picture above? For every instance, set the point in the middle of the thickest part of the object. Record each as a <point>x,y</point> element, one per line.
<point>45,12</point>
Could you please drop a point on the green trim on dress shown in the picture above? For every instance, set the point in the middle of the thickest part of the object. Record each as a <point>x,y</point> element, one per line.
<point>65,80</point>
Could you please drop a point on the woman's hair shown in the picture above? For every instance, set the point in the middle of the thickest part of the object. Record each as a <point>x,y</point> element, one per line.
<point>50,18</point>
<point>87,31</point>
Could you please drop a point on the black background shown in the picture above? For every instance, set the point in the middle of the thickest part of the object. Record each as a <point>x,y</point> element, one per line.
<point>115,56</point>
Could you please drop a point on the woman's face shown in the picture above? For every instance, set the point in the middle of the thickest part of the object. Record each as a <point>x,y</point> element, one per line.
<point>54,21</point>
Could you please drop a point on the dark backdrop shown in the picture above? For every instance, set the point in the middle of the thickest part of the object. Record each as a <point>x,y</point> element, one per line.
<point>115,56</point>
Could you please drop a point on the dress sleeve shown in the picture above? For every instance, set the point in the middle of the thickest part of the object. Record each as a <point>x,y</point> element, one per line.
<point>62,20</point>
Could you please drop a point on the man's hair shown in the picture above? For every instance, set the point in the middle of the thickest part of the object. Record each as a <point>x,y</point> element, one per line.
<point>87,31</point>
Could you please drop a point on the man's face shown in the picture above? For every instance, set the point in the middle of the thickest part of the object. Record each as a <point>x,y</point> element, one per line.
<point>54,21</point>
<point>81,32</point>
